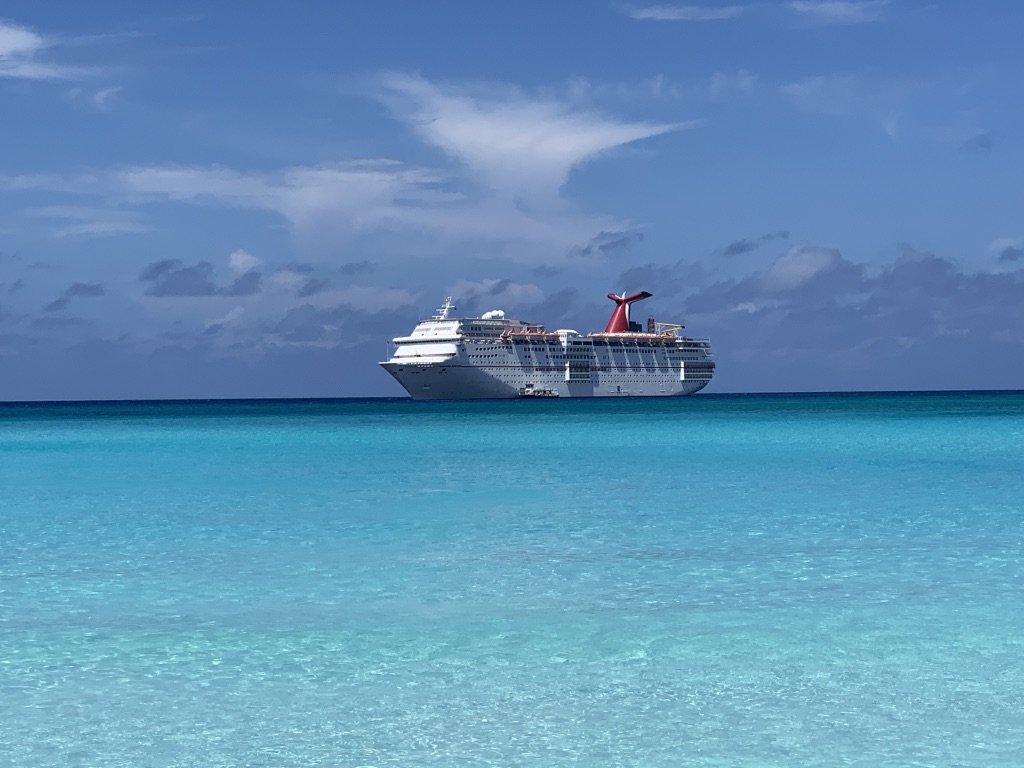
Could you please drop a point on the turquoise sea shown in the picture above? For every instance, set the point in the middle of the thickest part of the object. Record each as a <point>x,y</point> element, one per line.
<point>801,580</point>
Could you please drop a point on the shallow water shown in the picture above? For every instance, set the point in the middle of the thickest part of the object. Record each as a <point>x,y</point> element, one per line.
<point>708,581</point>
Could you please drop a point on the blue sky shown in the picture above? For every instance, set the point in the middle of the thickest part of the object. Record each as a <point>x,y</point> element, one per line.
<point>247,199</point>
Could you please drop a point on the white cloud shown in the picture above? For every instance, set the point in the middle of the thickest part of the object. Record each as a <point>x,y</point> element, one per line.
<point>18,41</point>
<point>351,197</point>
<point>684,12</point>
<point>101,100</point>
<point>798,265</point>
<point>327,202</point>
<point>514,144</point>
<point>839,11</point>
<point>242,261</point>
<point>69,221</point>
<point>516,152</point>
<point>21,56</point>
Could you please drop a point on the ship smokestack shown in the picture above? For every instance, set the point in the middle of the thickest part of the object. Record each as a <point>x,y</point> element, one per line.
<point>619,321</point>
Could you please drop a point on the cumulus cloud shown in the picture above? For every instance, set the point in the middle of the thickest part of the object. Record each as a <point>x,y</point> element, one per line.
<point>798,265</point>
<point>893,327</point>
<point>241,261</point>
<point>677,12</point>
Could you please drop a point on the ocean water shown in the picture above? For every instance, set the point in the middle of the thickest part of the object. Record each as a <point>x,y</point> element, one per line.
<point>830,580</point>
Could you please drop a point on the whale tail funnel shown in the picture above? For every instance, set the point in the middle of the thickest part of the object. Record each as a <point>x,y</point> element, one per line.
<point>619,321</point>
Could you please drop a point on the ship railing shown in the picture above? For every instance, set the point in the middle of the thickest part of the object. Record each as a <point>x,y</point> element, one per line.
<point>529,333</point>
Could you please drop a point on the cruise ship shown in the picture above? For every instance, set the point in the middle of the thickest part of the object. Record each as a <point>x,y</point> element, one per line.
<point>492,356</point>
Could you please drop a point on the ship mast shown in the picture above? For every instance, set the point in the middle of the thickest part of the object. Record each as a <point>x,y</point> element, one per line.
<point>444,309</point>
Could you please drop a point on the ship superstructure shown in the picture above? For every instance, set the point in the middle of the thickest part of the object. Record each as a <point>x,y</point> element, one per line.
<point>492,356</point>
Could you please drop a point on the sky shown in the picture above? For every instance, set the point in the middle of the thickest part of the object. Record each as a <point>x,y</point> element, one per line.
<point>248,199</point>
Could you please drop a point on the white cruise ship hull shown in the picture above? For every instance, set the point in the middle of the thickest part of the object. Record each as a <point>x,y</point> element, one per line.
<point>464,382</point>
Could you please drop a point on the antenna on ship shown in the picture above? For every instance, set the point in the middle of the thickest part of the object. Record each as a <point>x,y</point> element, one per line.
<point>444,309</point>
<point>619,321</point>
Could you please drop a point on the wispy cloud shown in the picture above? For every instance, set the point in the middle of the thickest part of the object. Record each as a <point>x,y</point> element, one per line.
<point>839,11</point>
<point>675,12</point>
<point>23,55</point>
<point>74,221</point>
<point>101,100</point>
<point>514,144</point>
<point>322,203</point>
<point>512,155</point>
